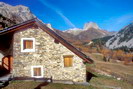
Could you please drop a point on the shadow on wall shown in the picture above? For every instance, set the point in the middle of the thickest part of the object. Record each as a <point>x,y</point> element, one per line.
<point>4,84</point>
<point>3,71</point>
<point>6,44</point>
<point>6,49</point>
<point>89,75</point>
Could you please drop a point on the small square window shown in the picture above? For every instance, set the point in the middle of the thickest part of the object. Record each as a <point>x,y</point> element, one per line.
<point>27,45</point>
<point>68,61</point>
<point>37,71</point>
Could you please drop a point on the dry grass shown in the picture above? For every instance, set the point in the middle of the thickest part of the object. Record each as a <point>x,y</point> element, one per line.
<point>116,69</point>
<point>108,82</point>
<point>22,85</point>
<point>65,86</point>
<point>33,85</point>
<point>125,72</point>
<point>100,82</point>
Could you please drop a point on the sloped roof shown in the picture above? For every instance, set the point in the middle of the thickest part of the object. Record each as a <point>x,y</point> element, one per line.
<point>53,34</point>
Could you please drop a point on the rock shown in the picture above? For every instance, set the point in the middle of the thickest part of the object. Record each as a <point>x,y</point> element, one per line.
<point>17,13</point>
<point>118,78</point>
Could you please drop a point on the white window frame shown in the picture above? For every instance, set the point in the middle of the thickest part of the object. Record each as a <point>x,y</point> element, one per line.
<point>22,45</point>
<point>32,71</point>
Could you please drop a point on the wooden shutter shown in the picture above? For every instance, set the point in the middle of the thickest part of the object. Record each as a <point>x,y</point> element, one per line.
<point>5,63</point>
<point>37,71</point>
<point>28,44</point>
<point>68,61</point>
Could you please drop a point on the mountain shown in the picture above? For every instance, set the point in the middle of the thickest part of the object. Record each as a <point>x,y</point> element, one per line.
<point>74,31</point>
<point>101,41</point>
<point>90,31</point>
<point>124,38</point>
<point>19,13</point>
<point>14,14</point>
<point>5,22</point>
<point>91,25</point>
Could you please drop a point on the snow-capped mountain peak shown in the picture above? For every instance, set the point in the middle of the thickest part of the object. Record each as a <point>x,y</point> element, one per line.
<point>74,31</point>
<point>90,31</point>
<point>91,25</point>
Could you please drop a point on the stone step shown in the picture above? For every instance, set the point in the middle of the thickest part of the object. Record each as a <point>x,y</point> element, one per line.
<point>1,84</point>
<point>63,81</point>
<point>5,77</point>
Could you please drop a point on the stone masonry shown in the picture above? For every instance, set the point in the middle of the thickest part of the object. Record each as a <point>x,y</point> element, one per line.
<point>47,54</point>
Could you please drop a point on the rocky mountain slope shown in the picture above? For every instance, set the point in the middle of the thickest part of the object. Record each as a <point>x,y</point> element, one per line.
<point>14,14</point>
<point>124,38</point>
<point>5,22</point>
<point>90,31</point>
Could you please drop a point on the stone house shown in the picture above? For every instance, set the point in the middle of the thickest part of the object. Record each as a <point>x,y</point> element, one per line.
<point>33,50</point>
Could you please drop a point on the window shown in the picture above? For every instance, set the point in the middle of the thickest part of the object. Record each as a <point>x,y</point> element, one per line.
<point>27,45</point>
<point>37,71</point>
<point>68,61</point>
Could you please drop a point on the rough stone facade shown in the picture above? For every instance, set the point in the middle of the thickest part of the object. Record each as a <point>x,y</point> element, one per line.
<point>47,54</point>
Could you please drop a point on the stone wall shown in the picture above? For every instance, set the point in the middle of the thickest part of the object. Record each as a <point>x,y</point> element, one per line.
<point>48,54</point>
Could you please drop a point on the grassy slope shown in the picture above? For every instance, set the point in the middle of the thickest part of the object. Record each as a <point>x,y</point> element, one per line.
<point>118,70</point>
<point>104,82</point>
<point>33,85</point>
<point>115,69</point>
<point>99,82</point>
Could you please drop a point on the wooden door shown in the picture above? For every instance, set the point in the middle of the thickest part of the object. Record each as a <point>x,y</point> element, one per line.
<point>7,62</point>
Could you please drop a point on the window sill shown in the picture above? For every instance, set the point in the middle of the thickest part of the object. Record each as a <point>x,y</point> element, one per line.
<point>28,50</point>
<point>37,76</point>
<point>68,67</point>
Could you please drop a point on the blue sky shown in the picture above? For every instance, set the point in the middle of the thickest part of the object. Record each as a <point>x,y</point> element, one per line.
<point>111,15</point>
